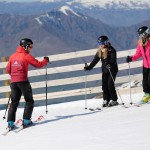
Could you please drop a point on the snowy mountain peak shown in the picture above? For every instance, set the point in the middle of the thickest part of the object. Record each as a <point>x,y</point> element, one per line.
<point>66,9</point>
<point>50,0</point>
<point>117,4</point>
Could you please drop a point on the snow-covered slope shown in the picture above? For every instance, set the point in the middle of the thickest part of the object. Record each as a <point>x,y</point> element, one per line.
<point>127,4</point>
<point>66,9</point>
<point>69,126</point>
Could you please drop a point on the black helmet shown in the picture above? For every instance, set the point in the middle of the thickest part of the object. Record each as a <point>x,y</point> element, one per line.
<point>102,40</point>
<point>25,42</point>
<point>143,31</point>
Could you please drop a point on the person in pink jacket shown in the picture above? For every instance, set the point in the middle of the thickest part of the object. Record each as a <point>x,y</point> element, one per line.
<point>17,67</point>
<point>143,50</point>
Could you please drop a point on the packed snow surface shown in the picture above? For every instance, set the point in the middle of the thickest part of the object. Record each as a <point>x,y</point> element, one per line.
<point>69,126</point>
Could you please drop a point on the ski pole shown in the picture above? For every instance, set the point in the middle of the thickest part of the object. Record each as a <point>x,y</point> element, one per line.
<point>7,106</point>
<point>85,88</point>
<point>115,85</point>
<point>130,84</point>
<point>46,87</point>
<point>85,84</point>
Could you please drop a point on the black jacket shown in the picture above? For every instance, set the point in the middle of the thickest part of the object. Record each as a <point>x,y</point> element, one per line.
<point>111,60</point>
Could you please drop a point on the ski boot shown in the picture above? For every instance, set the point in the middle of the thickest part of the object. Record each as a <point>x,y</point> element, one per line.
<point>145,98</point>
<point>112,103</point>
<point>10,125</point>
<point>105,103</point>
<point>26,123</point>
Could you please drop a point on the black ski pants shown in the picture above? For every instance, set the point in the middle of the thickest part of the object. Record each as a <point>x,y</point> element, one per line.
<point>18,89</point>
<point>108,87</point>
<point>146,80</point>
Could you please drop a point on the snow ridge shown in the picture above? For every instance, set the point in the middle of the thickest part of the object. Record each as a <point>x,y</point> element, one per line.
<point>104,4</point>
<point>66,9</point>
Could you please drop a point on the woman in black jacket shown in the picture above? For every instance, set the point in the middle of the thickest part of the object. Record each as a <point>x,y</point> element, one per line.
<point>107,54</point>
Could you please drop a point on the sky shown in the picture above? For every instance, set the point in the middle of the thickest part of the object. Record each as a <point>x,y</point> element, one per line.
<point>19,0</point>
<point>68,126</point>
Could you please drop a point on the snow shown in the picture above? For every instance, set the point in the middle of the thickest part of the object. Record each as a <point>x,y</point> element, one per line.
<point>43,18</point>
<point>132,4</point>
<point>38,20</point>
<point>50,0</point>
<point>68,126</point>
<point>65,9</point>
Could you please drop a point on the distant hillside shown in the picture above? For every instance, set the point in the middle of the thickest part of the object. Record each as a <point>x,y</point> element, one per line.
<point>62,30</point>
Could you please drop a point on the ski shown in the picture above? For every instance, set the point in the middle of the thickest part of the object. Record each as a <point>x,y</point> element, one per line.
<point>124,106</point>
<point>100,109</point>
<point>16,126</point>
<point>95,109</point>
<point>137,105</point>
<point>22,127</point>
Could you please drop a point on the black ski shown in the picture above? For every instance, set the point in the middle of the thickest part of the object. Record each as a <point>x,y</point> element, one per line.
<point>22,127</point>
<point>100,109</point>
<point>95,109</point>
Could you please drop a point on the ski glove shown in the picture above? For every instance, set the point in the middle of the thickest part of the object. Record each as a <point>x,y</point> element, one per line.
<point>128,59</point>
<point>87,68</point>
<point>47,58</point>
<point>108,66</point>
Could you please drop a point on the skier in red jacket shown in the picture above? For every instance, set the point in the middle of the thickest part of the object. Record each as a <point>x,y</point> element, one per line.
<point>17,68</point>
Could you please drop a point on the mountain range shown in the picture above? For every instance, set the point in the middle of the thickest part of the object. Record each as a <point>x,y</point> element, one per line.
<point>112,12</point>
<point>62,30</point>
<point>104,4</point>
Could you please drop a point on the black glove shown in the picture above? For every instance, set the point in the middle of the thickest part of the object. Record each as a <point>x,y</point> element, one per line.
<point>128,59</point>
<point>108,66</point>
<point>87,68</point>
<point>47,58</point>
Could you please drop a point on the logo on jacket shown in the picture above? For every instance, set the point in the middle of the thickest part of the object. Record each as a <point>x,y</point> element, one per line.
<point>16,63</point>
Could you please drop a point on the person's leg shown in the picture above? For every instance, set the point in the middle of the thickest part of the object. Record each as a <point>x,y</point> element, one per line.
<point>112,90</point>
<point>111,87</point>
<point>27,93</point>
<point>106,96</point>
<point>146,85</point>
<point>15,98</point>
<point>149,79</point>
<point>146,79</point>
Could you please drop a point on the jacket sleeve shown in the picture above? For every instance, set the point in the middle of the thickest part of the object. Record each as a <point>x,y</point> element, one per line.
<point>94,61</point>
<point>138,54</point>
<point>36,63</point>
<point>8,67</point>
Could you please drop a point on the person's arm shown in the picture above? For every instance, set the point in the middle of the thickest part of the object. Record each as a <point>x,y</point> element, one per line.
<point>137,54</point>
<point>113,57</point>
<point>8,67</point>
<point>93,63</point>
<point>36,63</point>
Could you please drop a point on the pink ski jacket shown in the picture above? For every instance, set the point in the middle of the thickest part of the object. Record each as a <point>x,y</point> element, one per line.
<point>18,63</point>
<point>144,53</point>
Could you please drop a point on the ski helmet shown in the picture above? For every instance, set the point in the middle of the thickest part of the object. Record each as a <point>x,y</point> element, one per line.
<point>103,40</point>
<point>25,42</point>
<point>143,31</point>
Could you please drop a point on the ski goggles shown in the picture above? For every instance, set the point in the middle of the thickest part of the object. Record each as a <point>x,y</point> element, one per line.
<point>145,34</point>
<point>101,43</point>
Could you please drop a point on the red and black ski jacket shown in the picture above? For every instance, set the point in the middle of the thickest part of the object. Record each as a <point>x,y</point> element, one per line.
<point>18,64</point>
